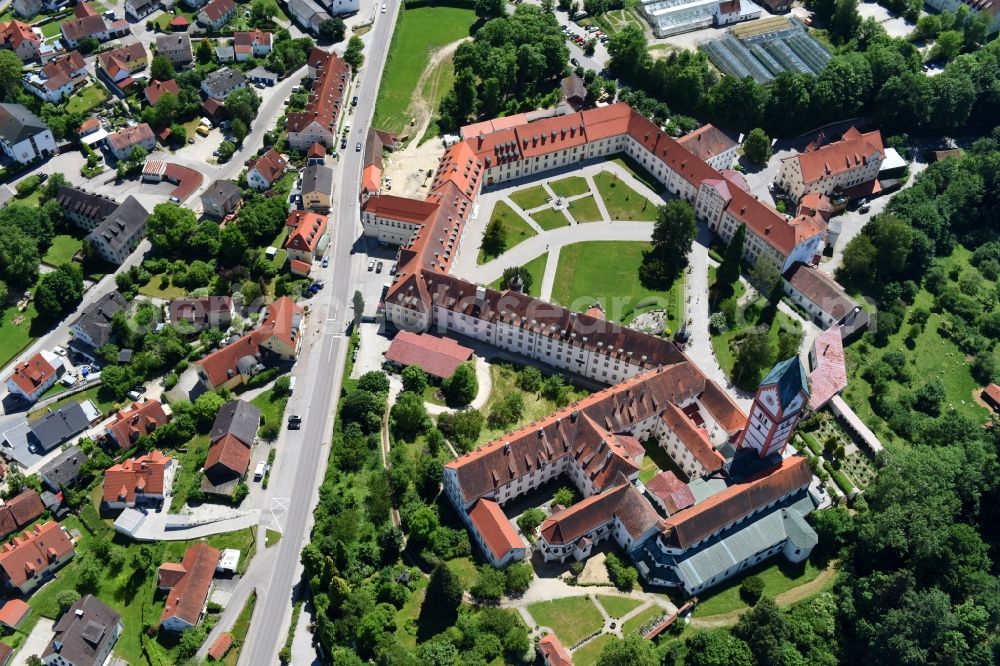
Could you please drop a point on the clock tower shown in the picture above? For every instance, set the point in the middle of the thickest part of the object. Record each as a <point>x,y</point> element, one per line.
<point>776,409</point>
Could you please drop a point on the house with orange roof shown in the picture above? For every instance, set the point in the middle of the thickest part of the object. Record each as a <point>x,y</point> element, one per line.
<point>832,167</point>
<point>145,480</point>
<point>276,340</point>
<point>122,142</point>
<point>13,613</point>
<point>307,240</point>
<point>139,420</point>
<point>187,584</point>
<point>33,557</point>
<point>20,511</point>
<point>714,146</point>
<point>255,43</point>
<point>553,652</point>
<point>232,437</point>
<point>317,122</point>
<point>58,78</point>
<point>216,13</point>
<point>156,89</point>
<point>20,38</point>
<point>264,171</point>
<point>35,376</point>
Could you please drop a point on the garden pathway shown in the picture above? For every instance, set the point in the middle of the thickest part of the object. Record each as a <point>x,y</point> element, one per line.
<point>485,388</point>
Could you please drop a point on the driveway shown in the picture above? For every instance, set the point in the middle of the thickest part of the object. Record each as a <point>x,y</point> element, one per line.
<point>35,643</point>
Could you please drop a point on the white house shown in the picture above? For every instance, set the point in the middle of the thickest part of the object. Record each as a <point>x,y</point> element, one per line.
<point>35,376</point>
<point>853,160</point>
<point>23,136</point>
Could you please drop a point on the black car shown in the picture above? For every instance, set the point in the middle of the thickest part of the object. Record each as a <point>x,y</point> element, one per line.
<point>294,422</point>
<point>343,144</point>
<point>354,102</point>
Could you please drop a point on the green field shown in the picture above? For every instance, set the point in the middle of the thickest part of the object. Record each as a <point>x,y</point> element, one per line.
<point>778,577</point>
<point>571,619</point>
<point>91,394</point>
<point>536,268</point>
<point>159,287</point>
<point>17,331</point>
<point>640,619</point>
<point>406,617</point>
<point>62,250</point>
<point>608,272</point>
<point>618,606</point>
<point>86,99</point>
<point>517,229</point>
<point>585,209</point>
<point>569,186</point>
<point>533,197</point>
<point>418,32</point>
<point>621,201</point>
<point>550,219</point>
<point>588,654</point>
<point>637,170</point>
<point>465,569</point>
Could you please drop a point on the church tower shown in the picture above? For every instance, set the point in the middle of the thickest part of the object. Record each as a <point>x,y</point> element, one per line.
<point>776,409</point>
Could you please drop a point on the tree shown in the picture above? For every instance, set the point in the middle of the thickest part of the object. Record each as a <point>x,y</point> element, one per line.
<point>205,52</point>
<point>462,428</point>
<point>240,130</point>
<point>757,146</point>
<point>633,650</point>
<point>332,31</point>
<point>60,290</point>
<point>489,585</point>
<point>242,104</point>
<point>162,69</point>
<point>716,648</point>
<point>519,577</point>
<point>947,46</point>
<point>89,576</point>
<point>10,73</point>
<point>264,11</point>
<point>563,497</point>
<point>506,411</point>
<point>490,9</point>
<point>441,602</point>
<point>353,54</point>
<point>548,6</point>
<point>226,151</point>
<point>409,416</point>
<point>529,379</point>
<point>169,227</point>
<point>530,520</point>
<point>204,409</point>
<point>751,589</point>
<point>364,408</point>
<point>729,270</point>
<point>764,276</point>
<point>358,306</point>
<point>764,630</point>
<point>66,599</point>
<point>859,258</point>
<point>929,396</point>
<point>752,356</point>
<point>375,381</point>
<point>462,387</point>
<point>494,238</point>
<point>414,379</point>
<point>673,233</point>
<point>517,278</point>
<point>19,258</point>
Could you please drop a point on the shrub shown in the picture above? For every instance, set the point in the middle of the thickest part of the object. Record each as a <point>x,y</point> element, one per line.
<point>622,575</point>
<point>752,589</point>
<point>530,520</point>
<point>518,579</point>
<point>28,185</point>
<point>240,493</point>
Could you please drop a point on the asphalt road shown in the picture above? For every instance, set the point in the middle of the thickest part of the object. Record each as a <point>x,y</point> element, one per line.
<point>302,456</point>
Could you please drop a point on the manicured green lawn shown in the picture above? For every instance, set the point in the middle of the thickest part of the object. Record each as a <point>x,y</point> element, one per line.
<point>465,569</point>
<point>62,250</point>
<point>618,606</point>
<point>418,32</point>
<point>588,654</point>
<point>51,29</point>
<point>536,268</point>
<point>657,460</point>
<point>571,618</point>
<point>517,229</point>
<point>585,209</point>
<point>532,197</point>
<point>608,272</point>
<point>778,576</point>
<point>569,186</point>
<point>17,331</point>
<point>91,394</point>
<point>159,287</point>
<point>637,170</point>
<point>550,219</point>
<point>642,618</point>
<point>272,408</point>
<point>621,201</point>
<point>188,476</point>
<point>86,99</point>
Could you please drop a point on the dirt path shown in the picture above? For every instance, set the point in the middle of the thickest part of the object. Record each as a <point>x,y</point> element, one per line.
<point>420,107</point>
<point>786,598</point>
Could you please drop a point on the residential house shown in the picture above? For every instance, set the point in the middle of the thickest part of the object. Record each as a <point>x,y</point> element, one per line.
<point>553,652</point>
<point>307,240</point>
<point>574,91</point>
<point>175,47</point>
<point>217,13</point>
<point>221,199</point>
<point>27,9</point>
<point>139,420</point>
<point>33,557</point>
<point>266,169</point>
<point>439,357</point>
<point>277,339</point>
<point>60,426</point>
<point>118,65</point>
<point>87,22</point>
<point>318,121</point>
<point>143,481</point>
<point>50,50</point>
<point>118,235</point>
<point>187,585</point>
<point>825,300</point>
<point>13,613</point>
<point>20,38</point>
<point>157,89</point>
<point>221,82</point>
<point>140,9</point>
<point>308,14</point>
<point>93,326</point>
<point>317,187</point>
<point>253,44</point>
<point>337,7</point>
<point>317,155</point>
<point>35,376</point>
<point>57,79</point>
<point>63,470</point>
<point>20,511</point>
<point>852,162</point>
<point>377,142</point>
<point>23,137</point>
<point>232,438</point>
<point>84,635</point>
<point>711,145</point>
<point>197,314</point>
<point>124,141</point>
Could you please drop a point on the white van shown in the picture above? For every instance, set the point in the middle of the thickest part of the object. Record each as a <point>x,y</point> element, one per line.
<point>291,384</point>
<point>258,473</point>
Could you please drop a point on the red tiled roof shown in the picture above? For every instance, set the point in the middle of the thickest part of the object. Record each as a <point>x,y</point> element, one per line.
<point>673,492</point>
<point>392,207</point>
<point>821,289</point>
<point>830,375</point>
<point>623,502</point>
<point>25,507</point>
<point>316,150</point>
<point>496,530</point>
<point>187,597</point>
<point>169,574</point>
<point>179,21</point>
<point>221,646</point>
<point>82,9</point>
<point>271,165</point>
<point>436,356</point>
<point>216,9</point>
<point>693,438</point>
<point>371,179</point>
<point>13,612</point>
<point>32,373</point>
<point>156,89</point>
<point>33,552</point>
<point>853,150</point>
<point>140,419</point>
<point>90,125</point>
<point>230,453</point>
<point>554,652</point>
<point>992,394</point>
<point>188,180</point>
<point>306,230</point>
<point>707,141</point>
<point>130,136</point>
<point>326,96</point>
<point>145,473</point>
<point>249,38</point>
<point>83,26</point>
<point>15,32</point>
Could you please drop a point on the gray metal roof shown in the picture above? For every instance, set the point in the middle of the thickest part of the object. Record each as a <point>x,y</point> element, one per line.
<point>17,123</point>
<point>237,418</point>
<point>63,470</point>
<point>56,427</point>
<point>704,488</point>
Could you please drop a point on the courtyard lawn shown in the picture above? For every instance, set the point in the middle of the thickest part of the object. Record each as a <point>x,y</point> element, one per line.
<point>589,653</point>
<point>536,268</point>
<point>549,219</point>
<point>571,618</point>
<point>517,229</point>
<point>608,272</point>
<point>621,201</point>
<point>17,331</point>
<point>657,461</point>
<point>778,576</point>
<point>86,99</point>
<point>62,250</point>
<point>722,344</point>
<point>92,394</point>
<point>585,209</point>
<point>637,170</point>
<point>570,186</point>
<point>618,606</point>
<point>51,29</point>
<point>418,32</point>
<point>642,618</point>
<point>465,569</point>
<point>529,198</point>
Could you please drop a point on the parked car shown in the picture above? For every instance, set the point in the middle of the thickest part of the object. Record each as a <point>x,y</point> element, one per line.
<point>354,100</point>
<point>326,261</point>
<point>343,143</point>
<point>378,267</point>
<point>59,351</point>
<point>294,422</point>
<point>574,62</point>
<point>357,148</point>
<point>371,266</point>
